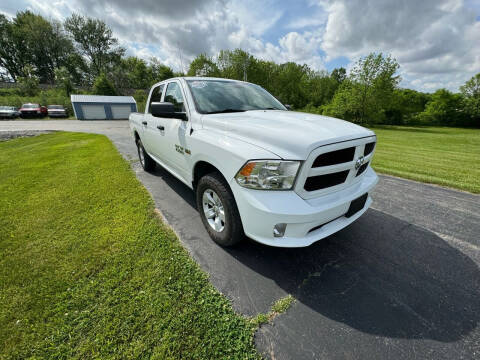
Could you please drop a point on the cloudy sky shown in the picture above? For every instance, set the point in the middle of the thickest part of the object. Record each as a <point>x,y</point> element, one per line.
<point>436,42</point>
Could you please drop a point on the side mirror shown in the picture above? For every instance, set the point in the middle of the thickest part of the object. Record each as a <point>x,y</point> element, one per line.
<point>166,110</point>
<point>289,108</point>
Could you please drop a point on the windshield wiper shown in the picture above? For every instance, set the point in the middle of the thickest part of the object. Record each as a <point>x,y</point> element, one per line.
<point>225,111</point>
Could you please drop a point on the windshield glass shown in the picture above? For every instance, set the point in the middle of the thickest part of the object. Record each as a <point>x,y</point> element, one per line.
<point>59,107</point>
<point>215,96</point>
<point>30,106</point>
<point>5,108</point>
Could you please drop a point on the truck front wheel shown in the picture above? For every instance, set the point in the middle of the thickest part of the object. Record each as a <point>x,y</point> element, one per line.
<point>148,164</point>
<point>218,210</point>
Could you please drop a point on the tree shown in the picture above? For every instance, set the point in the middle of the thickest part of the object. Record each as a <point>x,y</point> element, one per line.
<point>30,39</point>
<point>103,86</point>
<point>471,93</point>
<point>203,65</point>
<point>159,71</point>
<point>369,91</point>
<point>339,74</point>
<point>321,88</point>
<point>443,109</point>
<point>64,79</point>
<point>405,106</point>
<point>29,82</point>
<point>95,41</point>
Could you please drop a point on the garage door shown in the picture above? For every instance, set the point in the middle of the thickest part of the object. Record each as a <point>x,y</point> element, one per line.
<point>121,111</point>
<point>94,112</point>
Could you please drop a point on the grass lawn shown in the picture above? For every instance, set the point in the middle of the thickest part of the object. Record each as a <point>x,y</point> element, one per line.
<point>437,155</point>
<point>88,271</point>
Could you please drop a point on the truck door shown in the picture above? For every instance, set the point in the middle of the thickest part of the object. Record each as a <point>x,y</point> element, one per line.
<point>151,134</point>
<point>177,151</point>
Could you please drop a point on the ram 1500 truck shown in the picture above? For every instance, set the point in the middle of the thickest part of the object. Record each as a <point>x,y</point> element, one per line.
<point>280,177</point>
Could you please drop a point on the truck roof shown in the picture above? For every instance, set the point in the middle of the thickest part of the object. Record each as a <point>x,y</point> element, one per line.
<point>200,78</point>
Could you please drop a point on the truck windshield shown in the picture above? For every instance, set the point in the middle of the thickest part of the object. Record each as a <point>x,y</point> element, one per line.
<point>217,96</point>
<point>30,106</point>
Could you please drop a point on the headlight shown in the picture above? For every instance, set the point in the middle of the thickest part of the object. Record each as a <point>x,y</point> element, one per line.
<point>268,174</point>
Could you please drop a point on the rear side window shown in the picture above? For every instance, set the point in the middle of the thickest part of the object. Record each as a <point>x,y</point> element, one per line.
<point>156,96</point>
<point>174,96</point>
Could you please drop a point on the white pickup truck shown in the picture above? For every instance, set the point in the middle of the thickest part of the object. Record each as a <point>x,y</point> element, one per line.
<point>280,177</point>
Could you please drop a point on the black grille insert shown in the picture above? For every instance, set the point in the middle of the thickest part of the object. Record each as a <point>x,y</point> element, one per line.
<point>368,148</point>
<point>334,157</point>
<point>362,169</point>
<point>324,181</point>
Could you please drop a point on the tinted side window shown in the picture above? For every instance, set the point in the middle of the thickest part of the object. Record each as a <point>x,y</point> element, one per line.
<point>174,95</point>
<point>156,96</point>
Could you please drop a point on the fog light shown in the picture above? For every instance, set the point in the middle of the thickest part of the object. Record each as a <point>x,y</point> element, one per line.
<point>279,229</point>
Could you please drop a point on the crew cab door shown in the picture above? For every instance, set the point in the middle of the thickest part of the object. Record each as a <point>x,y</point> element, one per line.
<point>152,136</point>
<point>176,153</point>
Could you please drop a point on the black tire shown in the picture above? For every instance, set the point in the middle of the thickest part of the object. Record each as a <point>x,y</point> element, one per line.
<point>148,164</point>
<point>232,232</point>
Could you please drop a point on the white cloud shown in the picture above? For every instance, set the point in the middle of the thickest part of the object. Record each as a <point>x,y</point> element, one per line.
<point>436,42</point>
<point>433,40</point>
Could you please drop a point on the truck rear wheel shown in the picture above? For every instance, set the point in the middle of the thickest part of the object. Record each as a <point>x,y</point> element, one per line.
<point>148,164</point>
<point>218,210</point>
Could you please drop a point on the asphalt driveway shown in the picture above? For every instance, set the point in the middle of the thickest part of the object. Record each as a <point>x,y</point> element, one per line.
<point>401,282</point>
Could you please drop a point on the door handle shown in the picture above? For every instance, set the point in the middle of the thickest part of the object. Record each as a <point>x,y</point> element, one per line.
<point>144,123</point>
<point>160,127</point>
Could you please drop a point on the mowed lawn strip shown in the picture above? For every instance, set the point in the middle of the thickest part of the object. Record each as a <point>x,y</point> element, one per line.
<point>437,155</point>
<point>88,271</point>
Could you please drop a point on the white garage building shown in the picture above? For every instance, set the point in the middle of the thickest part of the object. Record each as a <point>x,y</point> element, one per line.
<point>99,107</point>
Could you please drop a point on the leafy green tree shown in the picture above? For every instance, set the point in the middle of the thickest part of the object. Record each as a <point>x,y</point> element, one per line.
<point>369,90</point>
<point>29,82</point>
<point>321,88</point>
<point>405,106</point>
<point>442,109</point>
<point>64,79</point>
<point>30,39</point>
<point>236,64</point>
<point>94,40</point>
<point>291,84</point>
<point>471,93</point>
<point>160,71</point>
<point>339,74</point>
<point>203,65</point>
<point>103,86</point>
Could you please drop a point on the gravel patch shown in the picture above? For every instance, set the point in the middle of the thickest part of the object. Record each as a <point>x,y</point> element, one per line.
<point>8,135</point>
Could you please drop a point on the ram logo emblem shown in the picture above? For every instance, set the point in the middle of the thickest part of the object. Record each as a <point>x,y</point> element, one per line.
<point>359,162</point>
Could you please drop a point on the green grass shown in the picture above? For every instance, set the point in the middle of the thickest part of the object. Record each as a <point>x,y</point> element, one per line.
<point>87,270</point>
<point>437,155</point>
<point>279,307</point>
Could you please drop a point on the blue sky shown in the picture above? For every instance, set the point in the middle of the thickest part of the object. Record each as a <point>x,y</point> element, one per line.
<point>436,42</point>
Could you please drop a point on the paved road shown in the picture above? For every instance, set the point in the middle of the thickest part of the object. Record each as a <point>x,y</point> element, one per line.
<point>403,282</point>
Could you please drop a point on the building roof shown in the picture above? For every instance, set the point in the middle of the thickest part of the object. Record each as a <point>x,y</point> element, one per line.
<point>102,99</point>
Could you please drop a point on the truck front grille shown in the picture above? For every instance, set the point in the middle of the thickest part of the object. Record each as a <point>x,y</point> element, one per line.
<point>334,157</point>
<point>332,167</point>
<point>324,181</point>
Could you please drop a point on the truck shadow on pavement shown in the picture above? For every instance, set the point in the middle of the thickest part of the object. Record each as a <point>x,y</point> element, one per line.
<point>381,275</point>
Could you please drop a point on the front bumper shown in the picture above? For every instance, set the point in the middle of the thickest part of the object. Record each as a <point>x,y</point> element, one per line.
<point>57,114</point>
<point>261,210</point>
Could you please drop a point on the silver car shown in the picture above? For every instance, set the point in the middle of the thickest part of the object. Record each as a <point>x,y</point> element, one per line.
<point>9,112</point>
<point>56,111</point>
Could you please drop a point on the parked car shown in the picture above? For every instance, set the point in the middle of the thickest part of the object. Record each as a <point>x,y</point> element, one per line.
<point>56,111</point>
<point>9,112</point>
<point>282,178</point>
<point>33,110</point>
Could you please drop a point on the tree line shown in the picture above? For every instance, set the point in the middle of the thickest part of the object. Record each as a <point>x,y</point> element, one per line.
<point>83,51</point>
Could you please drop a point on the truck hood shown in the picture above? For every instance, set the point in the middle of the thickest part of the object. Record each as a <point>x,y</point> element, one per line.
<point>288,134</point>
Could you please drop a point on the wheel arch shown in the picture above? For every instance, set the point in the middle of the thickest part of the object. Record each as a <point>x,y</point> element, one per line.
<point>203,167</point>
